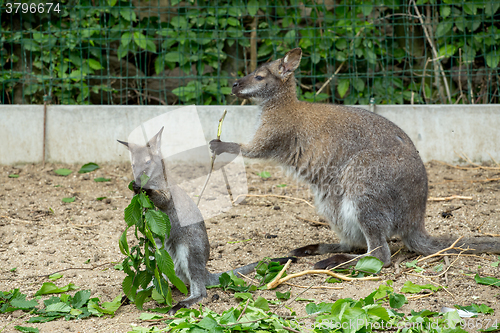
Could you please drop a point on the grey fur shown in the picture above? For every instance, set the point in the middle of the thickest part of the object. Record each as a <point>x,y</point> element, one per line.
<point>367,177</point>
<point>188,243</point>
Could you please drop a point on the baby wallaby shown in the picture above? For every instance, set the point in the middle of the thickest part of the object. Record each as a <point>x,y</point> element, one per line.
<point>366,175</point>
<point>188,242</point>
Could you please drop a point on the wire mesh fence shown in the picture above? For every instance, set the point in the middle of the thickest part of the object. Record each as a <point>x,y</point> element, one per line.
<point>189,52</point>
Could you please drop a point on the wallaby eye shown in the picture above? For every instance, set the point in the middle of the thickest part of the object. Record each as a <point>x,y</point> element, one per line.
<point>259,78</point>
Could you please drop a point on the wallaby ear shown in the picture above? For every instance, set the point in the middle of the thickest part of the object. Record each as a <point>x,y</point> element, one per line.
<point>155,142</point>
<point>290,62</point>
<point>123,143</point>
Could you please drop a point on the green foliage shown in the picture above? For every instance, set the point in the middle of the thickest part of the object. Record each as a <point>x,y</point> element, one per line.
<point>114,52</point>
<point>68,200</point>
<point>102,179</point>
<point>264,174</point>
<point>78,306</point>
<point>89,167</point>
<point>489,281</point>
<point>147,261</point>
<point>63,172</point>
<point>13,176</point>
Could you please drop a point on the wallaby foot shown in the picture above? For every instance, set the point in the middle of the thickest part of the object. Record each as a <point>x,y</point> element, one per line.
<point>336,260</point>
<point>315,249</point>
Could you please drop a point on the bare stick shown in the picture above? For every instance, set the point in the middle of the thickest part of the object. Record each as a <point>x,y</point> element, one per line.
<point>327,272</point>
<point>434,51</point>
<point>242,312</point>
<point>451,247</point>
<point>272,195</point>
<point>448,198</point>
<point>494,160</point>
<point>356,258</point>
<point>331,77</point>
<point>437,284</point>
<point>311,287</point>
<point>311,221</point>
<point>212,160</point>
<point>274,283</point>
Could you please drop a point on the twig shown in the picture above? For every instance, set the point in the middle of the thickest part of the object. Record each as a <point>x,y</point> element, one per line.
<point>311,287</point>
<point>465,157</point>
<point>212,160</point>
<point>451,247</point>
<point>327,272</point>
<point>289,329</point>
<point>492,235</point>
<point>275,282</point>
<point>414,297</point>
<point>331,77</point>
<point>150,97</point>
<point>272,195</point>
<point>311,221</point>
<point>494,160</point>
<point>437,284</point>
<point>244,309</point>
<point>460,75</point>
<point>448,198</point>
<point>434,51</point>
<point>356,258</point>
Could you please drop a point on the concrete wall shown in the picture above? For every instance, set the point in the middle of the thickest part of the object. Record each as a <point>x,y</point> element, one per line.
<point>80,134</point>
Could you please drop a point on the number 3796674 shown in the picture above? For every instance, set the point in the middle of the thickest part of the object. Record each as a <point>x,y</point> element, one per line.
<point>39,8</point>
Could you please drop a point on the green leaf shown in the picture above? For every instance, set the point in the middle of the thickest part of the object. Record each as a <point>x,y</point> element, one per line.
<point>252,7</point>
<point>149,316</point>
<point>126,38</point>
<point>50,288</point>
<point>443,28</point>
<point>106,308</point>
<point>445,10</point>
<point>100,198</point>
<point>243,296</point>
<point>366,8</point>
<point>264,174</point>
<point>359,84</point>
<point>20,302</point>
<point>489,281</point>
<point>342,87</point>
<point>173,57</point>
<point>68,200</point>
<point>133,212</point>
<point>166,266</point>
<point>492,58</point>
<point>144,179</point>
<point>80,299</point>
<point>55,276</point>
<point>491,7</point>
<point>397,300</point>
<point>285,295</point>
<point>123,244</point>
<point>63,172</point>
<point>157,221</point>
<point>262,303</point>
<point>101,179</point>
<point>88,167</point>
<point>58,307</point>
<point>410,287</point>
<point>94,64</point>
<point>26,329</point>
<point>447,51</point>
<point>370,56</point>
<point>128,14</point>
<point>13,176</point>
<point>370,265</point>
<point>140,40</point>
<point>210,325</point>
<point>159,64</point>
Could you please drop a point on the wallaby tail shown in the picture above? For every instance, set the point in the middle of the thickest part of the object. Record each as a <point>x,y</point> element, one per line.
<point>213,279</point>
<point>423,243</point>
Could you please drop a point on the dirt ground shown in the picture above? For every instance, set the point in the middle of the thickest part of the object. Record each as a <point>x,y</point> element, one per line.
<point>41,235</point>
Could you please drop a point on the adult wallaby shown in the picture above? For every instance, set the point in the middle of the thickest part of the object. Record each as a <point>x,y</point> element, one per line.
<point>366,175</point>
<point>188,242</point>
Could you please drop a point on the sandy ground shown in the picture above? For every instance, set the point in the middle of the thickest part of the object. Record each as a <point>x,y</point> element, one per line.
<point>41,235</point>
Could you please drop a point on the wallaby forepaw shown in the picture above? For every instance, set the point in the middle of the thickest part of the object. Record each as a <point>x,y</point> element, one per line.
<point>304,251</point>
